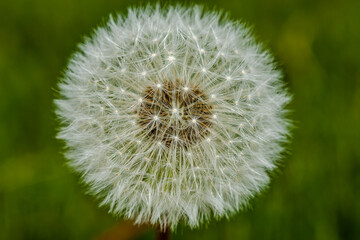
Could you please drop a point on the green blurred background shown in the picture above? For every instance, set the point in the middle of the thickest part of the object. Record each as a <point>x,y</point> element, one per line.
<point>314,195</point>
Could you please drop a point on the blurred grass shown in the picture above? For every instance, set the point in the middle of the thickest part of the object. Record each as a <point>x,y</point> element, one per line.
<point>316,195</point>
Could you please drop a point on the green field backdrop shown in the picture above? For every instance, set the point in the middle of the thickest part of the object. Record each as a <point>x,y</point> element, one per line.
<point>314,194</point>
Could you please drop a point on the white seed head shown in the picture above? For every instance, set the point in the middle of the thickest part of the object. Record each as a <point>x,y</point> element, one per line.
<point>166,111</point>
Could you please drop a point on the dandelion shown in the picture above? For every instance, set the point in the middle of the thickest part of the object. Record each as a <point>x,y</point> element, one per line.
<point>173,115</point>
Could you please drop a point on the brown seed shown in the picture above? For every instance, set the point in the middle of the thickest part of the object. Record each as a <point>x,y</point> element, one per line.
<point>183,113</point>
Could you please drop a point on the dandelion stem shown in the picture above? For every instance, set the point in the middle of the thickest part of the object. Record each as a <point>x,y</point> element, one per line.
<point>163,234</point>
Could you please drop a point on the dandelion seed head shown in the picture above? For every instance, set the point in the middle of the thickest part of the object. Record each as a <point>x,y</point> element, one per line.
<point>185,142</point>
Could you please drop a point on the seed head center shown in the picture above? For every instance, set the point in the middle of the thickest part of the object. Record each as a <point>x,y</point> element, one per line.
<point>175,114</point>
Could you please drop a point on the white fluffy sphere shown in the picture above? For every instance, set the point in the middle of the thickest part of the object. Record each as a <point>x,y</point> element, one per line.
<point>173,115</point>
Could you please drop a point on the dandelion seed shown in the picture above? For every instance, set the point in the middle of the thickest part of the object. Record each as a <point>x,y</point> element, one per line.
<point>168,114</point>
<point>171,58</point>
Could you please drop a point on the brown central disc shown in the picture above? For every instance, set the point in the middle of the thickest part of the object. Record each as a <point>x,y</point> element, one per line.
<point>175,114</point>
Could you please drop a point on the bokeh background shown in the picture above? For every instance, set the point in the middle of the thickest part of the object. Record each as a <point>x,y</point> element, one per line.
<point>314,195</point>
